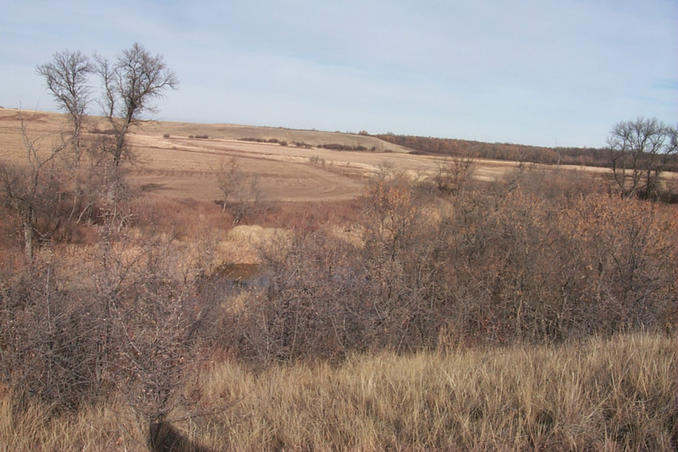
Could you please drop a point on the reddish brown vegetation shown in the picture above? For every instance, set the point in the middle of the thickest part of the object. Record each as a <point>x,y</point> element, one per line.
<point>507,151</point>
<point>502,267</point>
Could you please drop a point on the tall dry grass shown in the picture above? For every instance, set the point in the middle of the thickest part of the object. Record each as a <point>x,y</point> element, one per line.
<point>612,394</point>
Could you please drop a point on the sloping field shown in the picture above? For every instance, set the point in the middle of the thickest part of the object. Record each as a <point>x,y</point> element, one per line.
<point>171,161</point>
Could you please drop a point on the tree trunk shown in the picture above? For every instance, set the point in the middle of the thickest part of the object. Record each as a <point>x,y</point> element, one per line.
<point>28,234</point>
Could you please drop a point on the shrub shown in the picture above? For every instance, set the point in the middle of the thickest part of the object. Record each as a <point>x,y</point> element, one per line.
<point>316,160</point>
<point>48,340</point>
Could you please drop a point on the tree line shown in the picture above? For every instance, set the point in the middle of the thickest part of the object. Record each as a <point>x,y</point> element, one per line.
<point>600,157</point>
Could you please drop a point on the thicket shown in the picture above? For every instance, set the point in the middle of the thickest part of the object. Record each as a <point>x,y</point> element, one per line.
<point>478,267</point>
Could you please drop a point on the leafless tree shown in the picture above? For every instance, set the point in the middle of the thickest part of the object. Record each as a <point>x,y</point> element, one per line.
<point>240,190</point>
<point>32,189</point>
<point>131,83</point>
<point>639,151</point>
<point>66,78</point>
<point>229,179</point>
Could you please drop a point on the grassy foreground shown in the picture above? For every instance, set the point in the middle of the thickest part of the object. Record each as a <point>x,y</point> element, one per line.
<point>612,394</point>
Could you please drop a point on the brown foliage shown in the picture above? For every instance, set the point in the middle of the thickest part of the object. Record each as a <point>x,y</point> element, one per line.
<point>501,268</point>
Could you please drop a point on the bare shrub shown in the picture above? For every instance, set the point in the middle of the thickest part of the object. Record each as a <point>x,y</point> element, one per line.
<point>454,174</point>
<point>154,327</point>
<point>305,310</point>
<point>132,325</point>
<point>229,180</point>
<point>325,297</point>
<point>48,344</point>
<point>510,255</point>
<point>558,184</point>
<point>316,160</point>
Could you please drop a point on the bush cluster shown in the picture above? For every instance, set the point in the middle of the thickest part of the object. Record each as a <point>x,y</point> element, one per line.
<point>499,268</point>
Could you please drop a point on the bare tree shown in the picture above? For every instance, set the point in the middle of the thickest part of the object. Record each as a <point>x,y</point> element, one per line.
<point>229,179</point>
<point>240,191</point>
<point>32,189</point>
<point>66,78</point>
<point>131,83</point>
<point>640,150</point>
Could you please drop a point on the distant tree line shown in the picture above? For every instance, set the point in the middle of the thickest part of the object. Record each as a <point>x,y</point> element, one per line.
<point>599,157</point>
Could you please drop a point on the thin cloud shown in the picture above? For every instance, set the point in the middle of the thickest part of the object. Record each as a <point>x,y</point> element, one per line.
<point>531,72</point>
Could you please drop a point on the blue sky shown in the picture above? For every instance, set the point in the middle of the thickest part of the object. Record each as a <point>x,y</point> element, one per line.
<point>542,72</point>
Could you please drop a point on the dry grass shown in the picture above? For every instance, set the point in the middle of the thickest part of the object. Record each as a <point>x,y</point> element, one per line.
<point>616,394</point>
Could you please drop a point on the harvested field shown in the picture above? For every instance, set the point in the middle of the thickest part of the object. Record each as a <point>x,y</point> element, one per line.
<point>171,161</point>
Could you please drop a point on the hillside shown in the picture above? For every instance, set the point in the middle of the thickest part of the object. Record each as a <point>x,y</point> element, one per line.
<point>171,161</point>
<point>179,160</point>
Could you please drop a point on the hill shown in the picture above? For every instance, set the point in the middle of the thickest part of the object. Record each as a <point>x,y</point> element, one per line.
<point>180,160</point>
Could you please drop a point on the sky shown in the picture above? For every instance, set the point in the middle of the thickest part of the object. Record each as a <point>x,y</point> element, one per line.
<point>538,72</point>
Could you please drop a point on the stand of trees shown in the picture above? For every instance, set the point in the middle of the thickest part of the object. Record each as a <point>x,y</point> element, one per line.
<point>506,151</point>
<point>78,172</point>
